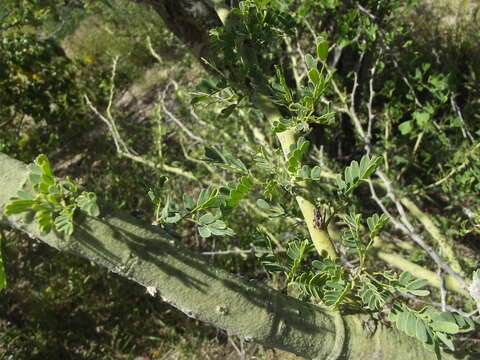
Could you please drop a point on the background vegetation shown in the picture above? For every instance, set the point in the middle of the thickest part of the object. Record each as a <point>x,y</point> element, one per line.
<point>419,81</point>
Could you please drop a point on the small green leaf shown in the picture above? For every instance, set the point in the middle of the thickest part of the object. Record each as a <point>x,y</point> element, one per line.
<point>262,204</point>
<point>153,197</point>
<point>214,155</point>
<point>43,163</point>
<point>314,76</point>
<point>198,98</point>
<point>240,191</point>
<point>206,219</point>
<point>23,195</point>
<point>64,222</point>
<point>446,340</point>
<point>322,50</point>
<point>45,221</point>
<point>296,152</point>
<point>283,125</point>
<point>34,179</point>
<point>209,199</point>
<point>310,61</point>
<point>410,324</point>
<point>405,127</point>
<point>226,112</point>
<point>203,197</point>
<point>286,90</point>
<point>204,231</point>
<point>445,322</point>
<point>421,331</point>
<point>225,158</point>
<point>422,118</point>
<point>371,295</point>
<point>376,223</point>
<point>417,284</point>
<point>18,206</point>
<point>444,326</point>
<point>419,292</point>
<point>315,173</point>
<point>218,224</point>
<point>68,185</point>
<point>173,219</point>
<point>188,202</point>
<point>356,173</point>
<point>87,202</point>
<point>207,86</point>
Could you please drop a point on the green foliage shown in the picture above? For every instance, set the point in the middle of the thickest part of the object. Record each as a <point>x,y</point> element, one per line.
<point>53,201</point>
<point>357,173</point>
<point>243,60</point>
<point>310,284</point>
<point>239,191</point>
<point>273,211</point>
<point>18,13</point>
<point>295,155</point>
<point>296,252</point>
<point>308,173</point>
<point>430,327</point>
<point>351,238</point>
<point>304,111</point>
<point>212,225</point>
<point>267,256</point>
<point>365,58</point>
<point>335,285</point>
<point>372,295</point>
<point>208,224</point>
<point>408,284</point>
<point>225,159</point>
<point>376,223</point>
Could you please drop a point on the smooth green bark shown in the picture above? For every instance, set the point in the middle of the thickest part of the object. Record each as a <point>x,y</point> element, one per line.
<point>152,258</point>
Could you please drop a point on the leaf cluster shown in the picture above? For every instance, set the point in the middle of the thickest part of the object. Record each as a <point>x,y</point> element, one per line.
<point>53,201</point>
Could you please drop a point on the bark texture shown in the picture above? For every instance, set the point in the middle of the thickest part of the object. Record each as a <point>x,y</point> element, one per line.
<point>189,20</point>
<point>152,258</point>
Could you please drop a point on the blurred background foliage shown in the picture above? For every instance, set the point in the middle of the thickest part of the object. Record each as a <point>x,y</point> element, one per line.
<point>54,53</point>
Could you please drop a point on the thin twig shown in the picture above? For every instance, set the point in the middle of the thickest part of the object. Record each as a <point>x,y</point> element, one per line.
<point>403,224</point>
<point>443,291</point>
<point>181,125</point>
<point>152,50</point>
<point>409,229</point>
<point>125,151</point>
<point>241,351</point>
<point>371,116</point>
<point>465,131</point>
<point>366,12</point>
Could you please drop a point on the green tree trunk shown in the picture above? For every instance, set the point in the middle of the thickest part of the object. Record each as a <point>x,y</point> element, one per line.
<point>150,257</point>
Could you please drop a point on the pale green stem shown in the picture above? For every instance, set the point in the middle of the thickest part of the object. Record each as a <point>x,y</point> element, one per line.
<point>420,272</point>
<point>222,10</point>
<point>319,236</point>
<point>434,231</point>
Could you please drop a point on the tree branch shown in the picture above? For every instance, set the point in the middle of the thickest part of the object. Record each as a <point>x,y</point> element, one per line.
<point>150,257</point>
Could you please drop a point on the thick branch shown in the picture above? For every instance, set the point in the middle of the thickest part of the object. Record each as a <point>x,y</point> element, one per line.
<point>249,309</point>
<point>189,20</point>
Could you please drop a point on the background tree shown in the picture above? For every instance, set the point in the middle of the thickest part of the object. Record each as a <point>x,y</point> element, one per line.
<point>420,108</point>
